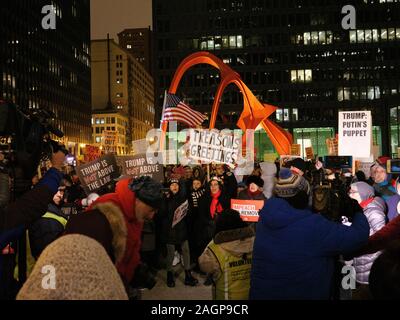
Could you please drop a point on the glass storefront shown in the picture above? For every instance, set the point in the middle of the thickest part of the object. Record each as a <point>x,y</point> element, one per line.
<point>315,137</point>
<point>394,129</point>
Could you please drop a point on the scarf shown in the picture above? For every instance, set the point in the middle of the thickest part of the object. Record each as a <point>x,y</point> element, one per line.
<point>196,195</point>
<point>253,194</point>
<point>365,203</point>
<point>215,205</point>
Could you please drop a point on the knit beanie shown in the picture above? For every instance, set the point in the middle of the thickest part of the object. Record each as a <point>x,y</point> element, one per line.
<point>82,271</point>
<point>289,184</point>
<point>364,190</point>
<point>255,179</point>
<point>147,190</point>
<point>228,220</point>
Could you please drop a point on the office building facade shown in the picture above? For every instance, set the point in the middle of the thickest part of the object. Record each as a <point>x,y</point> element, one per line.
<point>49,68</point>
<point>121,84</point>
<point>294,54</point>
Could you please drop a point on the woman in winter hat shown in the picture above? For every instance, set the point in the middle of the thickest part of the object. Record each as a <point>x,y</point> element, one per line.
<point>374,209</point>
<point>254,189</point>
<point>74,267</point>
<point>174,230</point>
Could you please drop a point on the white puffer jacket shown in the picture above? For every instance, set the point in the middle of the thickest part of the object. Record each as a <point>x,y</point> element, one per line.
<point>268,175</point>
<point>375,213</point>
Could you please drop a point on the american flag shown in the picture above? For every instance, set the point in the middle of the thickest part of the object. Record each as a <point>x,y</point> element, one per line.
<point>176,110</point>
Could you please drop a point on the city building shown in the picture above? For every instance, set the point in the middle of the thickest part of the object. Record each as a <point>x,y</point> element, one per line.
<point>114,121</point>
<point>138,42</point>
<point>293,54</point>
<point>120,83</point>
<point>49,69</point>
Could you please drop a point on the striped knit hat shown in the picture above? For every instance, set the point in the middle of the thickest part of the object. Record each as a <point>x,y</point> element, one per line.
<point>289,184</point>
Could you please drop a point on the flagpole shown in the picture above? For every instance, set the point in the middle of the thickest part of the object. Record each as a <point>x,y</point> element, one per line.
<point>163,124</point>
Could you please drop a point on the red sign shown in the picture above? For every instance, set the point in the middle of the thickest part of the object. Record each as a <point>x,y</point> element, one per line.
<point>248,209</point>
<point>91,153</point>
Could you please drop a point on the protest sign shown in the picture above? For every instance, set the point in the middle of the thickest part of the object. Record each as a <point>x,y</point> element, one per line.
<point>214,146</point>
<point>270,157</point>
<point>248,209</point>
<point>138,166</point>
<point>91,153</point>
<point>98,173</point>
<point>295,149</point>
<point>284,159</point>
<point>109,141</point>
<point>332,146</point>
<point>310,153</point>
<point>180,213</point>
<point>355,133</point>
<point>364,167</point>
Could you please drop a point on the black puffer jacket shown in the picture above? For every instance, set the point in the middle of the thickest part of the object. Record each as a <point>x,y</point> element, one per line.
<point>178,233</point>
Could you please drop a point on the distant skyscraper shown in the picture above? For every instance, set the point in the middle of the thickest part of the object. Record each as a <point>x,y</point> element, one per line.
<point>291,53</point>
<point>120,85</point>
<point>49,69</point>
<point>139,43</point>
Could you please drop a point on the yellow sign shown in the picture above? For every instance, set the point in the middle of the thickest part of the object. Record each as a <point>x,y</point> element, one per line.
<point>309,153</point>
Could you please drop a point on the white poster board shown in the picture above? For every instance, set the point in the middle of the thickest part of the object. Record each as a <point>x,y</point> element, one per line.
<point>355,134</point>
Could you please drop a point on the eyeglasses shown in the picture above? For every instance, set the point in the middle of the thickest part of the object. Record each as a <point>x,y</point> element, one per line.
<point>352,191</point>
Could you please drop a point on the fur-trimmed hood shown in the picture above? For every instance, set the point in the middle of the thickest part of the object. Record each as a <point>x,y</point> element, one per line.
<point>116,220</point>
<point>236,241</point>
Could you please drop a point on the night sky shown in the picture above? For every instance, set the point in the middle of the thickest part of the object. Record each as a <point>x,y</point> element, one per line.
<point>112,16</point>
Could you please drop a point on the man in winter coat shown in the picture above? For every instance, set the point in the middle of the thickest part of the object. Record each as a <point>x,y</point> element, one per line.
<point>116,219</point>
<point>374,209</point>
<point>49,227</point>
<point>228,257</point>
<point>294,249</point>
<point>175,230</point>
<point>228,180</point>
<point>19,215</point>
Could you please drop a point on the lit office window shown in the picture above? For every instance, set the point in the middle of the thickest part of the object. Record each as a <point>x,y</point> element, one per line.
<point>307,38</point>
<point>353,36</point>
<point>285,114</point>
<point>370,93</point>
<point>293,76</point>
<point>308,75</point>
<point>398,33</point>
<point>98,139</point>
<point>129,46</point>
<point>314,37</point>
<point>375,36</point>
<point>368,35</point>
<point>384,34</point>
<point>392,33</point>
<point>295,114</point>
<point>210,44</point>
<point>279,115</point>
<point>360,36</point>
<point>322,37</point>
<point>239,41</point>
<point>232,41</point>
<point>225,42</point>
<point>329,37</point>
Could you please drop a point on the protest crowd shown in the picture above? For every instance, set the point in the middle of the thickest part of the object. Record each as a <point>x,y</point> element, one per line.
<point>287,231</point>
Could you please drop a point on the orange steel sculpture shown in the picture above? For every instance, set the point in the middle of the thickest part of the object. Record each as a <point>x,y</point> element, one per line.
<point>254,112</point>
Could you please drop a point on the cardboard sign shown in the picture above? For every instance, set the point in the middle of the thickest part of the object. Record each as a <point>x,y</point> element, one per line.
<point>214,146</point>
<point>180,213</point>
<point>398,152</point>
<point>332,146</point>
<point>310,153</point>
<point>138,166</point>
<point>98,173</point>
<point>109,141</point>
<point>91,153</point>
<point>355,133</point>
<point>248,209</point>
<point>295,149</point>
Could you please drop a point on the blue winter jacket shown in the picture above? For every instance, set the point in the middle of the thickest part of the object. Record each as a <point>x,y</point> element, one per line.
<point>294,250</point>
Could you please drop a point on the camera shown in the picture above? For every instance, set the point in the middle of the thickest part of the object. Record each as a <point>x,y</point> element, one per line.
<point>25,141</point>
